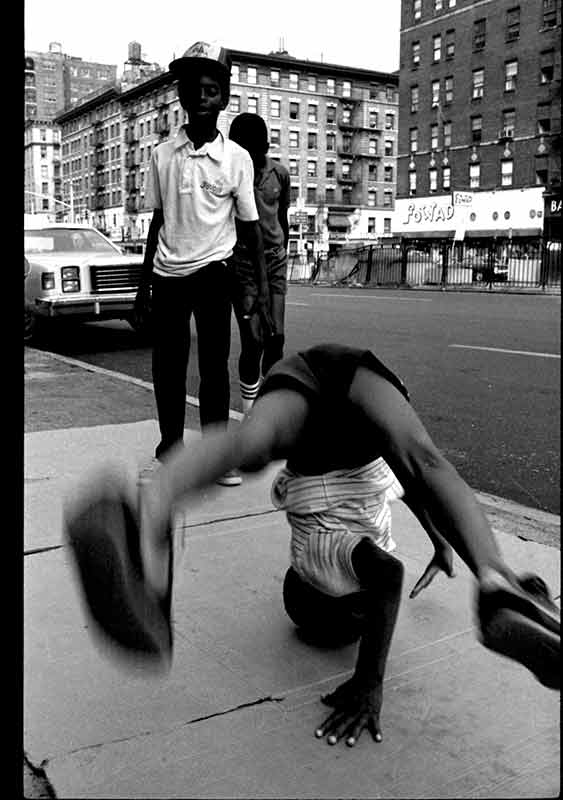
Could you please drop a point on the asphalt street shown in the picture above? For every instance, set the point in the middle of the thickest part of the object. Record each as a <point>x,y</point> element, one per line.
<point>483,371</point>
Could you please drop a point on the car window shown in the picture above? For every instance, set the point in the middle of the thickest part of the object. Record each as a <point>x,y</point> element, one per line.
<point>66,240</point>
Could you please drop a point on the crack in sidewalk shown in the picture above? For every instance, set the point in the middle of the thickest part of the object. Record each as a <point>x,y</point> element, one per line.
<point>96,745</point>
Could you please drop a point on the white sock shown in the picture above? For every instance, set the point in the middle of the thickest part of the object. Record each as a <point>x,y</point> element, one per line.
<point>248,392</point>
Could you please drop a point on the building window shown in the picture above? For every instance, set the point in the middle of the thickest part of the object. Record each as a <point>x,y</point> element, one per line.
<point>293,80</point>
<point>413,140</point>
<point>436,48</point>
<point>372,198</point>
<point>544,118</point>
<point>329,194</point>
<point>372,171</point>
<point>414,99</point>
<point>346,116</point>
<point>275,108</point>
<point>330,142</point>
<point>417,9</point>
<point>311,194</point>
<point>510,75</point>
<point>447,133</point>
<point>415,54</point>
<point>373,119</point>
<point>312,141</point>
<point>389,122</point>
<point>434,137</point>
<point>448,90</point>
<point>388,173</point>
<point>346,89</point>
<point>437,5</point>
<point>446,177</point>
<point>275,137</point>
<point>43,151</point>
<point>330,86</point>
<point>275,77</point>
<point>478,83</point>
<point>512,24</point>
<point>235,73</point>
<point>372,147</point>
<point>294,110</point>
<point>347,143</point>
<point>371,224</point>
<point>346,167</point>
<point>412,182</point>
<point>311,169</point>
<point>372,91</point>
<point>506,170</point>
<point>479,34</point>
<point>549,13</point>
<point>476,128</point>
<point>508,123</point>
<point>234,106</point>
<point>450,43</point>
<point>433,179</point>
<point>293,166</point>
<point>541,177</point>
<point>330,167</point>
<point>391,94</point>
<point>347,196</point>
<point>293,197</point>
<point>312,112</point>
<point>312,83</point>
<point>435,93</point>
<point>331,114</point>
<point>387,198</point>
<point>474,176</point>
<point>546,74</point>
<point>386,224</point>
<point>388,147</point>
<point>252,105</point>
<point>294,138</point>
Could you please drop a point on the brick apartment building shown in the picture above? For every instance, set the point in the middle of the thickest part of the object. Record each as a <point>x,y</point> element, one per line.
<point>480,93</point>
<point>42,162</point>
<point>54,81</point>
<point>334,127</point>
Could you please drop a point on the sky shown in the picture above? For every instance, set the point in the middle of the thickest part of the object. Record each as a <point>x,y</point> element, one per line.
<point>363,33</point>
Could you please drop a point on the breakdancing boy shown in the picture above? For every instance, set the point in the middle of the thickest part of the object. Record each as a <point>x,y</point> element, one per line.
<point>338,416</point>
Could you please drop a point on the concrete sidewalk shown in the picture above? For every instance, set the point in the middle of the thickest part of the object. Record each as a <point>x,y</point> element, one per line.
<point>236,715</point>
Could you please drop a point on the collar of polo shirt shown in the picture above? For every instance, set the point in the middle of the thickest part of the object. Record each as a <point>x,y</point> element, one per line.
<point>212,149</point>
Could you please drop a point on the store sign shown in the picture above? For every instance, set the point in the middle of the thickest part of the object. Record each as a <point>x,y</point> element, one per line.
<point>462,199</point>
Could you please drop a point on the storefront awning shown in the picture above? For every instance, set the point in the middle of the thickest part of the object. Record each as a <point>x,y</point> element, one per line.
<point>338,221</point>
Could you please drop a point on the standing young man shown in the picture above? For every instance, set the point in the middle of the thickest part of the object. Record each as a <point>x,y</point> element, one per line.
<point>197,183</point>
<point>259,348</point>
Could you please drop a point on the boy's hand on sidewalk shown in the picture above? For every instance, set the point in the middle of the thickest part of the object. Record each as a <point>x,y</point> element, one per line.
<point>357,708</point>
<point>442,561</point>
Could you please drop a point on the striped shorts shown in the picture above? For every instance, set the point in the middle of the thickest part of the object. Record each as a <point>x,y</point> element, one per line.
<point>330,514</point>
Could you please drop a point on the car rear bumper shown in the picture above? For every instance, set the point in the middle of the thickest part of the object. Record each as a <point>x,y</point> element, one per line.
<point>90,307</point>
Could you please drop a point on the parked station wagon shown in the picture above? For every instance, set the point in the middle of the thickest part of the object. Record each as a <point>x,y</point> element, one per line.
<point>75,272</point>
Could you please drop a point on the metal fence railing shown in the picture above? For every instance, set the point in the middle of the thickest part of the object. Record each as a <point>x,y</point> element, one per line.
<point>474,264</point>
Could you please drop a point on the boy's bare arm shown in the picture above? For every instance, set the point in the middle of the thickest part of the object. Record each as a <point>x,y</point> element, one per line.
<point>150,249</point>
<point>446,500</point>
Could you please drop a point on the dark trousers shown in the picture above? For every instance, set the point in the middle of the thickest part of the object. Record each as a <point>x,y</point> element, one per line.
<point>205,294</point>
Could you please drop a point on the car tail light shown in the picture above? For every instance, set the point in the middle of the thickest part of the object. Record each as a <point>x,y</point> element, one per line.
<point>48,280</point>
<point>70,279</point>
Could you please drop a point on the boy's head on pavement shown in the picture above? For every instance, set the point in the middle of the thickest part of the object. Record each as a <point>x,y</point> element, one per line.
<point>250,132</point>
<point>204,76</point>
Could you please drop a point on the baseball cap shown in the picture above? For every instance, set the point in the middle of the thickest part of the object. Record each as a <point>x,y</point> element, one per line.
<point>210,54</point>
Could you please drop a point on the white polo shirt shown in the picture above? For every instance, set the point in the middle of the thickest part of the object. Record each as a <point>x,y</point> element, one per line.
<point>200,192</point>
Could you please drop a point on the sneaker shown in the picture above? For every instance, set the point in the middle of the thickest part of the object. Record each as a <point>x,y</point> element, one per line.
<point>147,472</point>
<point>523,623</point>
<point>230,478</point>
<point>104,541</point>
